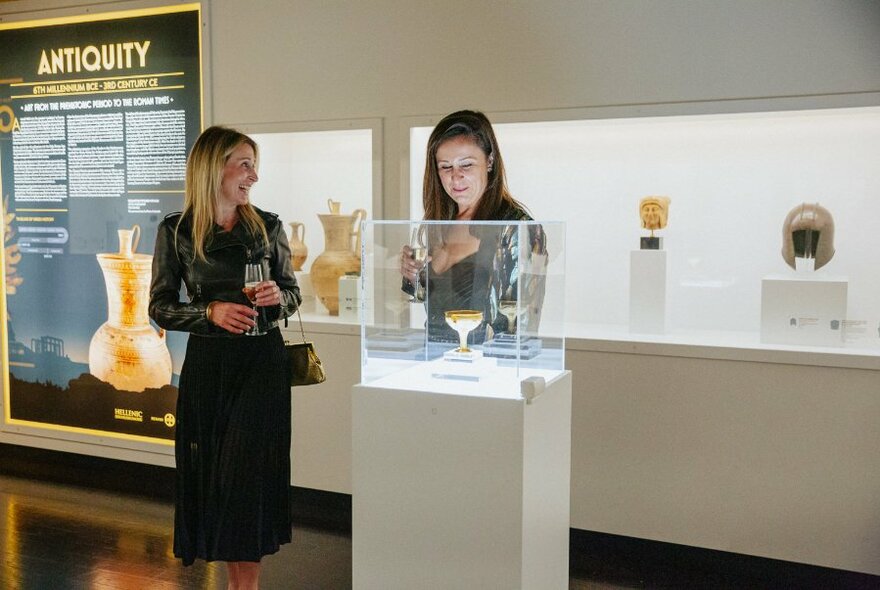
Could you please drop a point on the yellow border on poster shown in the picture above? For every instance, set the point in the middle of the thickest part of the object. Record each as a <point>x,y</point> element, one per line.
<point>90,18</point>
<point>4,343</point>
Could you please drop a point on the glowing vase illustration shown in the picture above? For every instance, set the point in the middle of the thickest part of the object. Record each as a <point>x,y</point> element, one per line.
<point>298,249</point>
<point>126,351</point>
<point>341,255</point>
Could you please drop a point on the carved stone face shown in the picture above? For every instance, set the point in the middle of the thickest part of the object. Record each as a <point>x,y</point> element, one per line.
<point>808,232</point>
<point>654,212</point>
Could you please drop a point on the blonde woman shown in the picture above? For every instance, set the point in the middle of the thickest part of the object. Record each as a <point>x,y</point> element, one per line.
<point>233,410</point>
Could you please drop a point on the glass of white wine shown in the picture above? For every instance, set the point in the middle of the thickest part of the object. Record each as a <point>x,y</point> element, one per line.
<point>253,276</point>
<point>419,253</point>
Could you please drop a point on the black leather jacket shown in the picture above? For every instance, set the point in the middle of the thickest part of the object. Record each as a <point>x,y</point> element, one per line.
<point>221,278</point>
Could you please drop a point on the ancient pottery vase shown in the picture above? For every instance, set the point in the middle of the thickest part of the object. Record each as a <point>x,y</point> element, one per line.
<point>126,351</point>
<point>341,255</point>
<point>298,249</point>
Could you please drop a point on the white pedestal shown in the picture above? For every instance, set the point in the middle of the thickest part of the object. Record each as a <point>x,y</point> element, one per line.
<point>647,291</point>
<point>809,311</point>
<point>454,491</point>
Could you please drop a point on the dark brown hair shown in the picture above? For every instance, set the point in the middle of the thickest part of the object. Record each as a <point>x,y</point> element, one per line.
<point>496,199</point>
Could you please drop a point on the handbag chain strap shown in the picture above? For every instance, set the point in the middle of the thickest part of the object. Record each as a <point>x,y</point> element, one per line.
<point>302,331</point>
<point>299,317</point>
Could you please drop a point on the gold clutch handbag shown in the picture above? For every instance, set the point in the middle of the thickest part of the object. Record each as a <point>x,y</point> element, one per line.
<point>303,362</point>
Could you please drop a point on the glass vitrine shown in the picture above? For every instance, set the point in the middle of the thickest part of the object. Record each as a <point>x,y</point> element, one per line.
<point>469,308</point>
<point>739,192</point>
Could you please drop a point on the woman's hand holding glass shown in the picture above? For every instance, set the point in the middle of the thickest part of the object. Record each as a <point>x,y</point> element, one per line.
<point>232,317</point>
<point>240,319</point>
<point>413,258</point>
<point>412,261</point>
<point>268,294</point>
<point>259,292</point>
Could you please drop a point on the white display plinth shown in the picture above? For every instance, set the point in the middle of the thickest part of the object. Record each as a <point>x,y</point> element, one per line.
<point>304,281</point>
<point>809,311</point>
<point>349,298</point>
<point>458,491</point>
<point>647,291</point>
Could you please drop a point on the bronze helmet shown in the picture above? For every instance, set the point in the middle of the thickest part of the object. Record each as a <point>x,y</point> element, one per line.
<point>808,232</point>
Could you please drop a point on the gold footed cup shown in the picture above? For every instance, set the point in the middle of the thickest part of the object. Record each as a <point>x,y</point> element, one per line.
<point>463,321</point>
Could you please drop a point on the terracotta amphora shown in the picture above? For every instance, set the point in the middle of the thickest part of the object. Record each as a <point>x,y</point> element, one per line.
<point>341,255</point>
<point>298,249</point>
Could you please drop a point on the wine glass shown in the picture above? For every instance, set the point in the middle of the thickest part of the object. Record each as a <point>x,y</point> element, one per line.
<point>253,276</point>
<point>419,253</point>
<point>508,307</point>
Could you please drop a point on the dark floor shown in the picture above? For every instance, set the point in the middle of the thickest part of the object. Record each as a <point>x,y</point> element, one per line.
<point>75,523</point>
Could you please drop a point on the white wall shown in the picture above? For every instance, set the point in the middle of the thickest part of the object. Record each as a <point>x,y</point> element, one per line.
<point>317,60</point>
<point>762,458</point>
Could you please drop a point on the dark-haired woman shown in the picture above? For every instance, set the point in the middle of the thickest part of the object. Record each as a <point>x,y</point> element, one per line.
<point>471,266</point>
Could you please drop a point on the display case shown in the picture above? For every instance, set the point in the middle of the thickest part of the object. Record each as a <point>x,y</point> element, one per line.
<point>484,315</point>
<point>683,235</point>
<point>321,184</point>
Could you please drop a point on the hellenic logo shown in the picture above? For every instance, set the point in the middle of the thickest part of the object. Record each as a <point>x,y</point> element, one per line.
<point>123,414</point>
<point>169,420</point>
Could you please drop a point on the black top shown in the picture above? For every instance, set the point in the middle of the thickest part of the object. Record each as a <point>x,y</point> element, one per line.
<point>479,281</point>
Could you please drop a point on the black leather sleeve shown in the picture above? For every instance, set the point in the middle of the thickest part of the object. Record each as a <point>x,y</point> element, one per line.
<point>282,273</point>
<point>166,309</point>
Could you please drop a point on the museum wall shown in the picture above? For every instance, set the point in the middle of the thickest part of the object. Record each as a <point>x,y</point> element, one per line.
<point>314,60</point>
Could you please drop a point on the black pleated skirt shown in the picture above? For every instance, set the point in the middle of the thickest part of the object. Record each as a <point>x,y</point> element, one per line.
<point>232,498</point>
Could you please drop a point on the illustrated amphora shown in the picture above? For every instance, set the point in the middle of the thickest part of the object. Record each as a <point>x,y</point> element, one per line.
<point>126,351</point>
<point>341,255</point>
<point>298,249</point>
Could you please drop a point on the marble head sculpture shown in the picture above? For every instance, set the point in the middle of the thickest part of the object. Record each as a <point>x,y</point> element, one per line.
<point>808,232</point>
<point>654,211</point>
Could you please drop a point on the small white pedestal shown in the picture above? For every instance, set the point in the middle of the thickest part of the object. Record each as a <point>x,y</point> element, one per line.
<point>647,291</point>
<point>350,298</point>
<point>304,280</point>
<point>809,311</point>
<point>454,491</point>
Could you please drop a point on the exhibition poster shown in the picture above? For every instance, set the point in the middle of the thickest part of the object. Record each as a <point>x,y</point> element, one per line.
<point>97,114</point>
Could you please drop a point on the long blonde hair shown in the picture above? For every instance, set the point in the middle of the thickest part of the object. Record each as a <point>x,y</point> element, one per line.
<point>204,175</point>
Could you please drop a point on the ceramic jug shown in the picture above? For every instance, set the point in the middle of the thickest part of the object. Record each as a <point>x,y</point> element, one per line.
<point>341,255</point>
<point>126,351</point>
<point>298,249</point>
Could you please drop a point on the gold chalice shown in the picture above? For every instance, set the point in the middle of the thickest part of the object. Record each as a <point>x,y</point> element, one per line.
<point>463,321</point>
<point>508,308</point>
